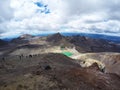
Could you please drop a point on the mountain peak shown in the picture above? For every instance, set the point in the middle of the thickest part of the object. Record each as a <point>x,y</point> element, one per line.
<point>59,34</point>
<point>55,37</point>
<point>22,39</point>
<point>25,36</point>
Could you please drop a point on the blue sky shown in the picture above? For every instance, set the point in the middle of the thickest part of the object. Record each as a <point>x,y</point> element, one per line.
<point>46,10</point>
<point>47,16</point>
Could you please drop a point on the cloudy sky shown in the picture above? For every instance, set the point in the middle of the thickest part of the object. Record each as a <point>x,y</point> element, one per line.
<point>47,16</point>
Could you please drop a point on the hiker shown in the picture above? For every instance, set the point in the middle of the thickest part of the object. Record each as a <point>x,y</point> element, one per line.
<point>30,56</point>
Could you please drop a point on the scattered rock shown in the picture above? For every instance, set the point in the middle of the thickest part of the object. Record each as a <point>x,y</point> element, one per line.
<point>48,67</point>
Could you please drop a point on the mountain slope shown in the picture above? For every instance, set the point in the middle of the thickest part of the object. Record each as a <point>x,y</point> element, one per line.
<point>46,72</point>
<point>86,44</point>
<point>2,43</point>
<point>22,39</point>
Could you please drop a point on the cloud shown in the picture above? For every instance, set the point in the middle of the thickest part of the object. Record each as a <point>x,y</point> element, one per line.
<point>44,16</point>
<point>6,12</point>
<point>94,16</point>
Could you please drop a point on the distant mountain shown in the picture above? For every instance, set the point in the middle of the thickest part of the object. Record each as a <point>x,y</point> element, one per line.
<point>54,38</point>
<point>115,39</point>
<point>25,36</point>
<point>58,40</point>
<point>22,39</point>
<point>84,43</point>
<point>88,44</point>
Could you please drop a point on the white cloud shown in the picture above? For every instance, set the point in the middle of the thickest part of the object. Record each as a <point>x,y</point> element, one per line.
<point>6,11</point>
<point>89,16</point>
